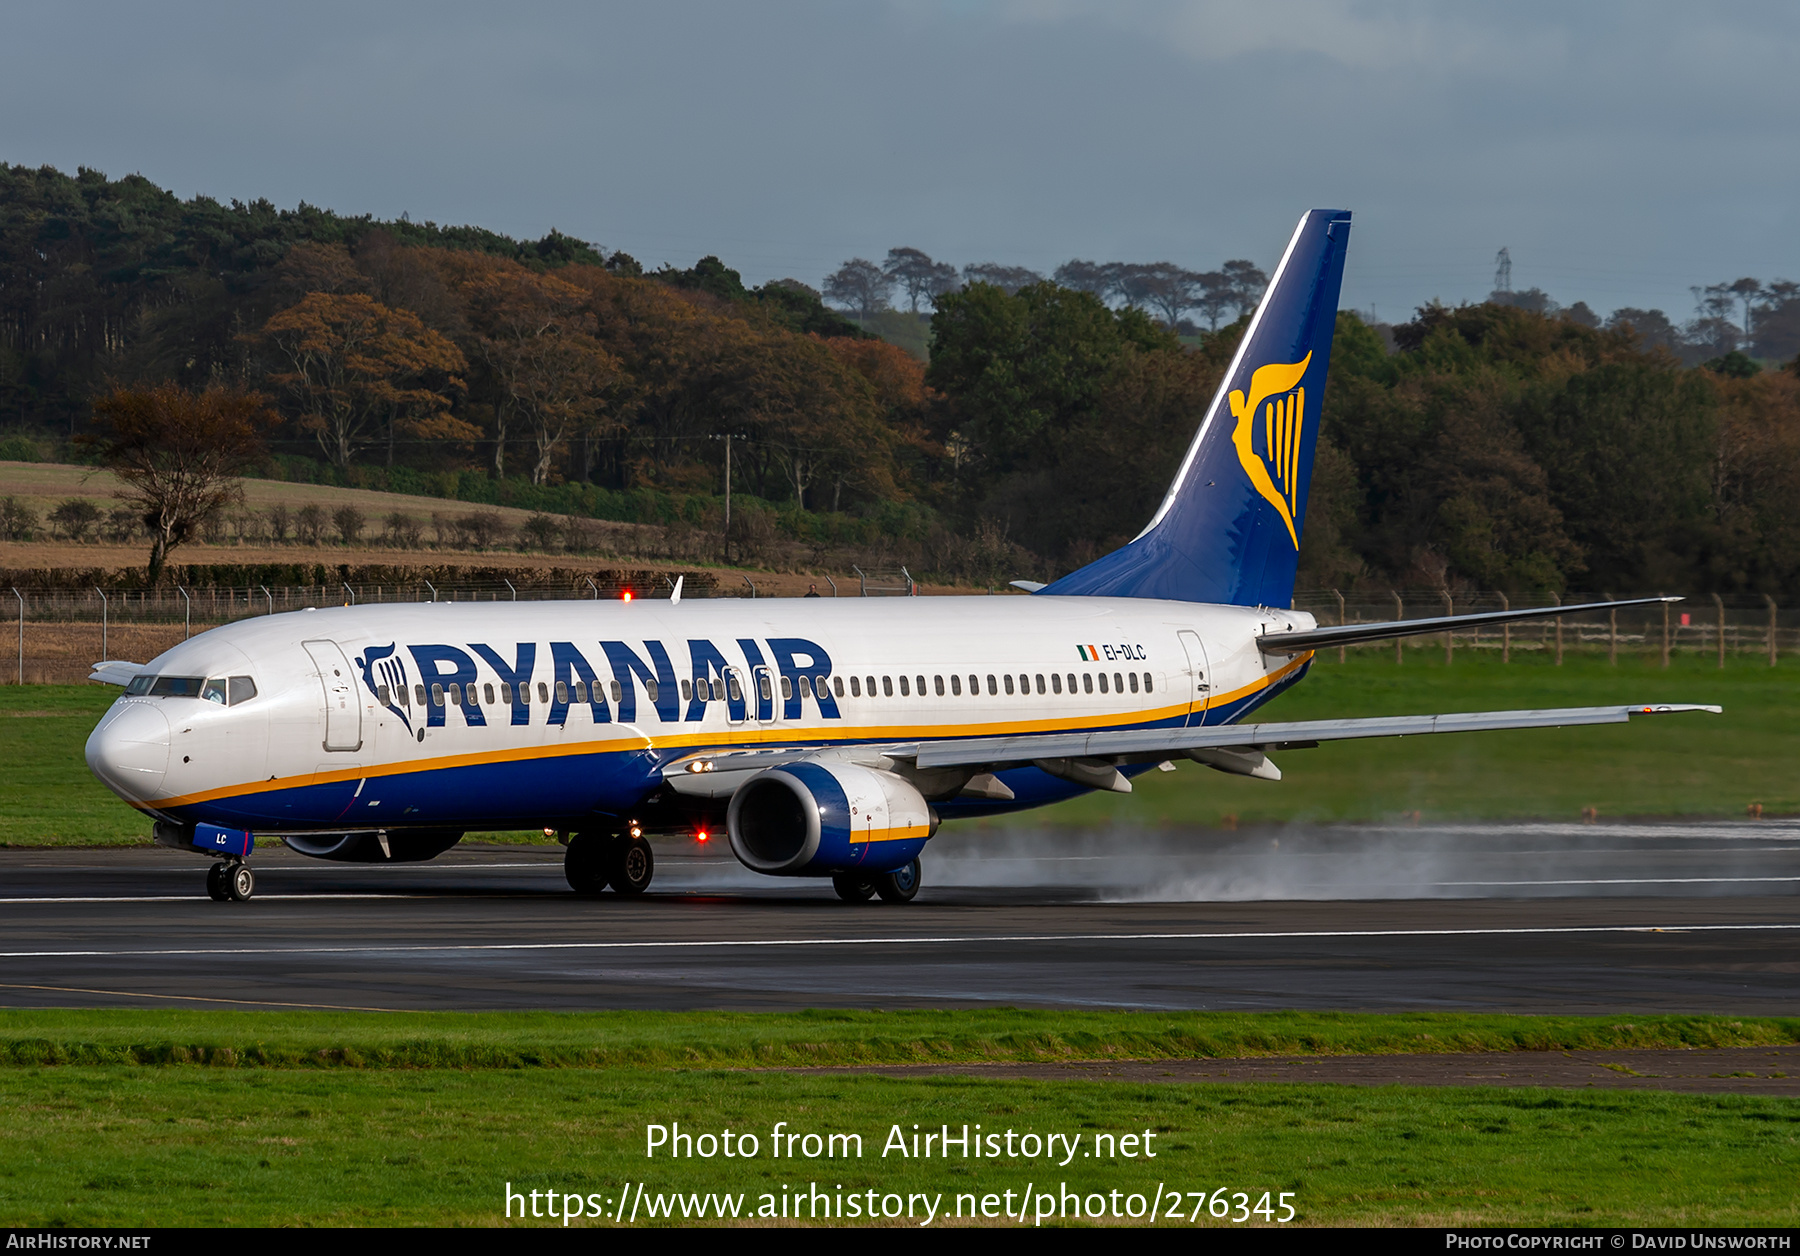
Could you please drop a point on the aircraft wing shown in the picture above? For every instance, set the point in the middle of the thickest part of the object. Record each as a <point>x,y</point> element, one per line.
<point>115,672</point>
<point>1145,744</point>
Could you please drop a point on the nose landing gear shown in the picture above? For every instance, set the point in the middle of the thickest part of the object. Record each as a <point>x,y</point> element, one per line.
<point>230,882</point>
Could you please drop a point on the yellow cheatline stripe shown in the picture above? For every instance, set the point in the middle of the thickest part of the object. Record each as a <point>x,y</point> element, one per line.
<point>898,834</point>
<point>738,737</point>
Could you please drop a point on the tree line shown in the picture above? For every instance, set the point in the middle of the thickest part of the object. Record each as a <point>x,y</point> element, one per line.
<point>1496,444</point>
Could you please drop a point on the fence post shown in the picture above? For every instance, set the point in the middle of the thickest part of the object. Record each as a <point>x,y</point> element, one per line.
<point>21,598</point>
<point>103,609</point>
<point>1558,598</point>
<point>1505,632</point>
<point>1772,647</point>
<point>1449,640</point>
<point>187,628</point>
<point>1612,634</point>
<point>1719,603</point>
<point>1341,619</point>
<point>1399,614</point>
<point>1665,656</point>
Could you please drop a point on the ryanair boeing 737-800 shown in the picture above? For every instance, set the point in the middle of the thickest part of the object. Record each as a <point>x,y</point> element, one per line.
<point>821,737</point>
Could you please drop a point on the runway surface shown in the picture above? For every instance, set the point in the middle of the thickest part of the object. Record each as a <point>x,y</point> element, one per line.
<point>1537,918</point>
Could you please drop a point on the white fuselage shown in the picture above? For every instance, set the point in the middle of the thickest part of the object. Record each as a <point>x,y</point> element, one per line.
<point>529,714</point>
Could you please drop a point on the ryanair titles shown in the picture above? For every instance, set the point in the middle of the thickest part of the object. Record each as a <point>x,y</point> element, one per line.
<point>421,684</point>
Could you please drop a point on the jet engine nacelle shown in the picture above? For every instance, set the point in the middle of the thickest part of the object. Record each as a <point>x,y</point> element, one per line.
<point>813,819</point>
<point>394,846</point>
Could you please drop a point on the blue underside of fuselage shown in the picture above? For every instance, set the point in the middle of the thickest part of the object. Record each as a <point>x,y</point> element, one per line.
<point>566,791</point>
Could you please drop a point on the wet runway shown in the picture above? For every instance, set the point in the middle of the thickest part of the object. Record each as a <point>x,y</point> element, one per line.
<point>1538,918</point>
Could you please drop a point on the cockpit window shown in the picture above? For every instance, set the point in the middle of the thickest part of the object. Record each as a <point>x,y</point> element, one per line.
<point>226,691</point>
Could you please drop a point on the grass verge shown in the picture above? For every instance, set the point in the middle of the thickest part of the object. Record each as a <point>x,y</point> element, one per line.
<point>531,1040</point>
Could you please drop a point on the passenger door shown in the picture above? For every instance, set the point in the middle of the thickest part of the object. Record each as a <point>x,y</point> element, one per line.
<point>1199,678</point>
<point>343,711</point>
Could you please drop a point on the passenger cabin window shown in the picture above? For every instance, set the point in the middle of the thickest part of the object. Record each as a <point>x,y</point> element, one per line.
<point>904,692</point>
<point>805,687</point>
<point>1134,682</point>
<point>887,686</point>
<point>544,691</point>
<point>837,683</point>
<point>437,695</point>
<point>487,692</point>
<point>581,691</point>
<point>1040,684</point>
<point>921,681</point>
<point>1146,682</point>
<point>732,688</point>
<point>974,686</point>
<point>870,682</point>
<point>937,683</point>
<point>1056,682</point>
<point>855,687</point>
<point>455,692</point>
<point>420,690</point>
<point>1102,682</point>
<point>1009,687</point>
<point>1087,682</point>
<point>994,687</point>
<point>650,691</point>
<point>1118,683</point>
<point>615,692</point>
<point>687,690</point>
<point>956,686</point>
<point>562,691</point>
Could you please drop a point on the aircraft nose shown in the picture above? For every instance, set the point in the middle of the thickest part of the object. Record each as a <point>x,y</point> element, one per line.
<point>129,750</point>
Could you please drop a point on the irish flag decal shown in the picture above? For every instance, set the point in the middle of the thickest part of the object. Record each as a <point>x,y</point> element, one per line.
<point>1088,653</point>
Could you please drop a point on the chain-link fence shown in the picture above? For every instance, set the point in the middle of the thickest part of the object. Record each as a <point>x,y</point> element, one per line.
<point>1715,626</point>
<point>61,633</point>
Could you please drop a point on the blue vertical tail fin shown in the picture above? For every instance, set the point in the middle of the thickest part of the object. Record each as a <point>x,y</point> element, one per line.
<point>1229,529</point>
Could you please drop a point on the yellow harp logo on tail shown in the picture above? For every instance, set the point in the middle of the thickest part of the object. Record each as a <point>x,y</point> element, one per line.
<point>1276,470</point>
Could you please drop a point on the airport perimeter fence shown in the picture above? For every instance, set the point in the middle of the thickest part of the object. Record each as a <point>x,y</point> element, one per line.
<point>1735,626</point>
<point>60,633</point>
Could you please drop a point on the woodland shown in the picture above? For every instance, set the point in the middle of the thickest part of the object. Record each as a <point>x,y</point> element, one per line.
<point>1511,445</point>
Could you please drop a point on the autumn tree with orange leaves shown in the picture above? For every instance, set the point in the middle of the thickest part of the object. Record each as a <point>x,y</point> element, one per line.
<point>179,454</point>
<point>356,367</point>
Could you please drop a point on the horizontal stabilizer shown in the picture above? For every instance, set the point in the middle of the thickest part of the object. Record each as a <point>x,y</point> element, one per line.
<point>1352,634</point>
<point>1150,744</point>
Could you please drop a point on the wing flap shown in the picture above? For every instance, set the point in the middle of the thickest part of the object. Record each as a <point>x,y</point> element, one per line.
<point>1159,741</point>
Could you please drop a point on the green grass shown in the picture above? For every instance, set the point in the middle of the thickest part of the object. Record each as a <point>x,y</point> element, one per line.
<point>799,1039</point>
<point>1678,765</point>
<point>269,1121</point>
<point>1691,765</point>
<point>96,1147</point>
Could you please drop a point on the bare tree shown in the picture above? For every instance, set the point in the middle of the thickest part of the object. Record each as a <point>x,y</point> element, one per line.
<point>1245,283</point>
<point>861,286</point>
<point>1097,279</point>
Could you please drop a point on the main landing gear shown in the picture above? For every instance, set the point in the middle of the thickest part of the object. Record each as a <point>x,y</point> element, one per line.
<point>899,886</point>
<point>597,860</point>
<point>231,882</point>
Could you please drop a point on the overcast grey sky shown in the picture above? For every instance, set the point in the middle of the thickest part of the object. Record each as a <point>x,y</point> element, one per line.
<point>1623,151</point>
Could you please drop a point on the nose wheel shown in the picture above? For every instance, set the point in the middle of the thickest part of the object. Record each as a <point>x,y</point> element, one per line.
<point>230,883</point>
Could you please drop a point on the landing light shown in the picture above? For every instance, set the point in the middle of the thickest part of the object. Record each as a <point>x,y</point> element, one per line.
<point>628,595</point>
<point>636,831</point>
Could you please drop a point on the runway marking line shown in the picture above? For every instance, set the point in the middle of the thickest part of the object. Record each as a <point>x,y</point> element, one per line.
<point>194,998</point>
<point>932,940</point>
